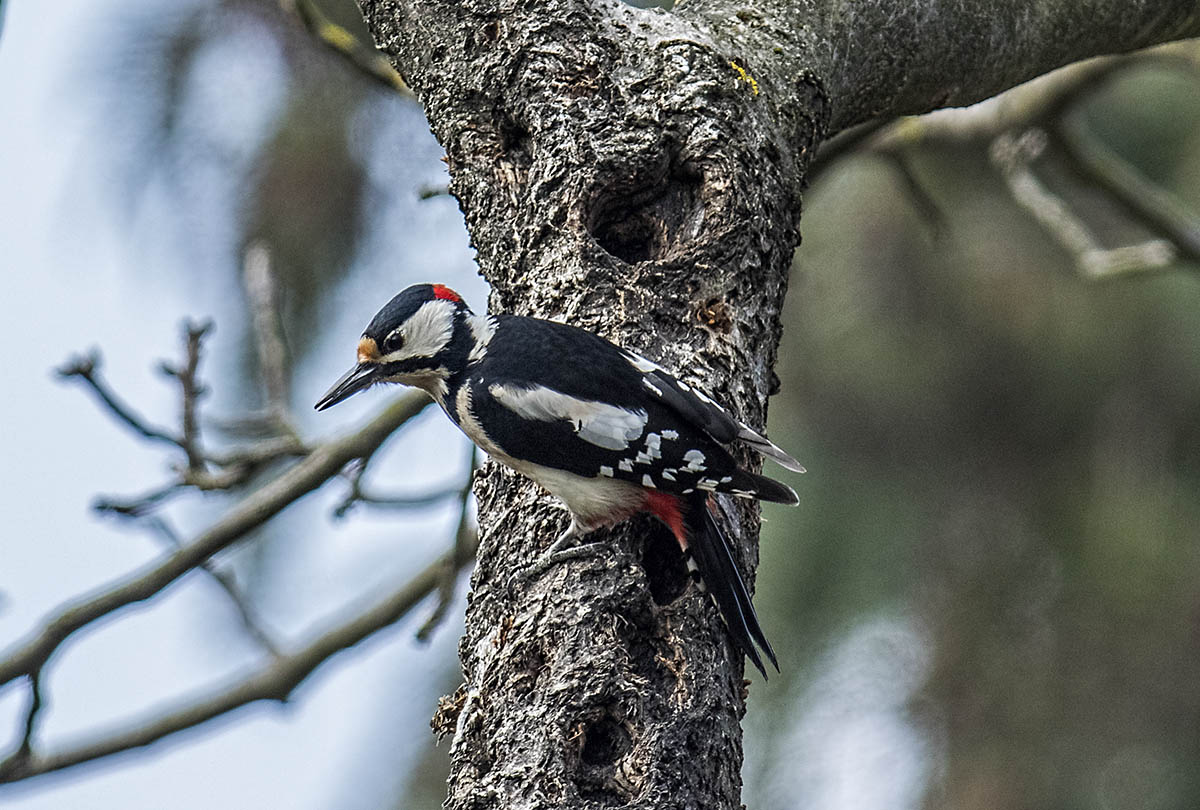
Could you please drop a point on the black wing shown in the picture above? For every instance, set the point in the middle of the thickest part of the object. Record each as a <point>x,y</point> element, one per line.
<point>607,413</point>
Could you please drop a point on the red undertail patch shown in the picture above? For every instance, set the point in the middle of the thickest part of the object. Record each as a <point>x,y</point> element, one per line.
<point>666,507</point>
<point>446,294</point>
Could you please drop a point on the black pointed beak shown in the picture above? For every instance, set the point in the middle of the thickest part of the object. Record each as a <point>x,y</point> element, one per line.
<point>359,378</point>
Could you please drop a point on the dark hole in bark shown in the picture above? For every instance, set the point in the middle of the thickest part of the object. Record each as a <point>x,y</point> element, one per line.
<point>604,742</point>
<point>514,139</point>
<point>664,564</point>
<point>602,776</point>
<point>640,219</point>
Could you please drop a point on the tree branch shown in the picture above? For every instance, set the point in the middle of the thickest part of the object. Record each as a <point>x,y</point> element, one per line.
<point>908,58</point>
<point>361,56</point>
<point>87,368</point>
<point>322,463</point>
<point>1160,210</point>
<point>190,392</point>
<point>221,576</point>
<point>276,681</point>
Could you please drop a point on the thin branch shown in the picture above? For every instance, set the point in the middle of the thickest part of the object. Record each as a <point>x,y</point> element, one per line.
<point>87,368</point>
<point>430,192</point>
<point>248,617</point>
<point>1013,156</point>
<point>263,452</point>
<point>190,390</point>
<point>465,539</point>
<point>140,505</point>
<point>357,494</point>
<point>325,461</point>
<point>236,466</point>
<point>36,704</point>
<point>276,681</point>
<point>1159,209</point>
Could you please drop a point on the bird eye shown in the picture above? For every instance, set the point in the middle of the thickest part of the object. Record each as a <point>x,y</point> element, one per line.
<point>393,342</point>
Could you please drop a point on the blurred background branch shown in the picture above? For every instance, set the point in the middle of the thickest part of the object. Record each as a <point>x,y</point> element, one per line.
<point>1015,128</point>
<point>275,681</point>
<point>317,463</point>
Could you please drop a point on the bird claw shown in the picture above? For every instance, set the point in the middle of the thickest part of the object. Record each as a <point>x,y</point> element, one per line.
<point>560,551</point>
<point>554,557</point>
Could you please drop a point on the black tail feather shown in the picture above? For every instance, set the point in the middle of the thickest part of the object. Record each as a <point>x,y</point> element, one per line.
<point>709,548</point>
<point>768,489</point>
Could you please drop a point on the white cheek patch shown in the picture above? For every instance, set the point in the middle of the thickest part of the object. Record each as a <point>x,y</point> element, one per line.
<point>601,424</point>
<point>425,333</point>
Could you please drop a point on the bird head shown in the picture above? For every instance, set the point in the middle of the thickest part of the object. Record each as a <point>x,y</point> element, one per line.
<point>409,341</point>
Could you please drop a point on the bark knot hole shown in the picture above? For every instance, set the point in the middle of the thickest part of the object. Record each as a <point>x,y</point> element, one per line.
<point>648,216</point>
<point>605,741</point>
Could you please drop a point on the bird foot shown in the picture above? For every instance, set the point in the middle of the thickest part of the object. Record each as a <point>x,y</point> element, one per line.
<point>562,550</point>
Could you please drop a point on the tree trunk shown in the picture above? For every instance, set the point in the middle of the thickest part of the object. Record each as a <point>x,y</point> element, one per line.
<point>639,173</point>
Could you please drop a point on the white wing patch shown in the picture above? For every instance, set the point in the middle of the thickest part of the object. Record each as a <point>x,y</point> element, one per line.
<point>601,424</point>
<point>641,363</point>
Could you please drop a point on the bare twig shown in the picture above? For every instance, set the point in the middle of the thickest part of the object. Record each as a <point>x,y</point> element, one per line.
<point>224,578</point>
<point>87,368</point>
<point>1013,156</point>
<point>429,192</point>
<point>1160,210</point>
<point>1015,124</point>
<point>324,462</point>
<point>36,704</point>
<point>236,466</point>
<point>276,681</point>
<point>140,505</point>
<point>191,390</point>
<point>24,754</point>
<point>465,539</point>
<point>357,494</point>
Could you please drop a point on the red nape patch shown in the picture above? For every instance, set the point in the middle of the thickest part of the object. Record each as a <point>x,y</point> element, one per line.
<point>446,294</point>
<point>666,507</point>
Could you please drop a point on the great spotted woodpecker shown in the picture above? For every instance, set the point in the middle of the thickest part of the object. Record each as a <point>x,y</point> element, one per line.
<point>607,431</point>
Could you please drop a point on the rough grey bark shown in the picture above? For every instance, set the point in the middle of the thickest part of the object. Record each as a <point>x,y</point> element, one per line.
<point>640,173</point>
